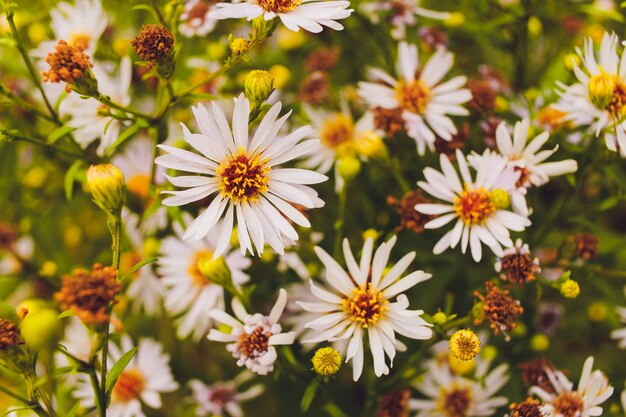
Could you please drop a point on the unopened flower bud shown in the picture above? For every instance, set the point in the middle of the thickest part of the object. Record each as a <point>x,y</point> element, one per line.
<point>238,46</point>
<point>369,144</point>
<point>440,318</point>
<point>570,288</point>
<point>215,270</point>
<point>41,329</point>
<point>465,345</point>
<point>258,85</point>
<point>539,343</point>
<point>106,185</point>
<point>326,361</point>
<point>348,167</point>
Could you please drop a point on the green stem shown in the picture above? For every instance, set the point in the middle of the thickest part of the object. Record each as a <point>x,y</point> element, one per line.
<point>108,102</point>
<point>5,91</point>
<point>29,64</point>
<point>99,400</point>
<point>18,137</point>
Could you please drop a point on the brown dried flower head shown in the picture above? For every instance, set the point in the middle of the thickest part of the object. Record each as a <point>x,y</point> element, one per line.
<point>517,266</point>
<point>389,121</point>
<point>483,96</point>
<point>154,42</point>
<point>68,63</point>
<point>527,408</point>
<point>499,308</point>
<point>586,246</point>
<point>322,59</point>
<point>394,404</point>
<point>315,88</point>
<point>410,218</point>
<point>10,335</point>
<point>533,373</point>
<point>89,294</point>
<point>8,236</point>
<point>449,147</point>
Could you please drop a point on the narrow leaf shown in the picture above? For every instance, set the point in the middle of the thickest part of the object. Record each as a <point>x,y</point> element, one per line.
<point>59,132</point>
<point>118,368</point>
<point>309,395</point>
<point>70,177</point>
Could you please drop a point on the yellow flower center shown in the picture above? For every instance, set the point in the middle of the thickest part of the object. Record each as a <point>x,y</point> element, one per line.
<point>455,402</point>
<point>366,305</point>
<point>338,133</point>
<point>80,38</point>
<point>608,91</point>
<point>128,386</point>
<point>243,178</point>
<point>568,404</point>
<point>413,96</point>
<point>474,206</point>
<point>139,185</point>
<point>279,6</point>
<point>465,345</point>
<point>253,344</point>
<point>326,361</point>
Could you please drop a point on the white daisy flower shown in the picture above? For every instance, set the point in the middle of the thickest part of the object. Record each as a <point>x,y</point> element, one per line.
<point>425,102</point>
<point>620,334</point>
<point>136,164</point>
<point>195,18</point>
<point>223,398</point>
<point>145,289</point>
<point>593,389</point>
<point>528,158</point>
<point>598,99</point>
<point>477,205</point>
<point>361,305</point>
<point>188,271</point>
<point>310,15</point>
<point>146,377</point>
<point>451,395</point>
<point>246,175</point>
<point>403,14</point>
<point>87,115</point>
<point>253,337</point>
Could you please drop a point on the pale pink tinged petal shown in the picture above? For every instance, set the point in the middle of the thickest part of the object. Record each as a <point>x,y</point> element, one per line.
<point>503,139</point>
<point>296,175</point>
<point>265,126</point>
<point>407,61</point>
<point>366,258</point>
<point>489,240</point>
<point>437,67</point>
<point>455,236</point>
<point>537,143</point>
<point>242,232</point>
<point>278,308</point>
<point>353,267</point>
<point>443,243</point>
<point>434,209</point>
<point>316,307</point>
<point>269,357</point>
<point>201,226</point>
<point>462,162</point>
<point>288,210</point>
<point>225,318</point>
<point>240,121</point>
<point>397,270</point>
<point>357,360</point>
<point>381,257</point>
<point>450,174</point>
<point>225,233</point>
<point>282,339</point>
<point>239,310</point>
<point>465,238</point>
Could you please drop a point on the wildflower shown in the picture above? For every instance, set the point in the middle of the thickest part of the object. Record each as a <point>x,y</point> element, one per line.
<point>593,389</point>
<point>586,246</point>
<point>620,334</point>
<point>389,121</point>
<point>534,373</point>
<point>483,96</point>
<point>253,337</point>
<point>326,361</point>
<point>465,345</point>
<point>223,397</point>
<point>315,88</point>
<point>527,408</point>
<point>195,18</point>
<point>516,266</point>
<point>145,378</point>
<point>107,187</point>
<point>311,15</point>
<point>154,42</point>
<point>71,65</point>
<point>194,280</point>
<point>322,59</point>
<point>89,294</point>
<point>500,309</point>
<point>479,218</point>
<point>569,288</point>
<point>424,101</point>
<point>247,175</point>
<point>361,304</point>
<point>258,86</point>
<point>394,404</point>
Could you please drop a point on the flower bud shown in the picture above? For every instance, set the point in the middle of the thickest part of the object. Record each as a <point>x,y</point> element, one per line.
<point>348,167</point>
<point>326,361</point>
<point>440,318</point>
<point>461,367</point>
<point>41,329</point>
<point>465,345</point>
<point>539,343</point>
<point>238,46</point>
<point>258,85</point>
<point>570,288</point>
<point>106,185</point>
<point>370,145</point>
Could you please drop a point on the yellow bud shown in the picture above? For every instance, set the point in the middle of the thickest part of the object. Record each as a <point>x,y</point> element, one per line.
<point>370,234</point>
<point>535,26</point>
<point>478,312</point>
<point>461,367</point>
<point>464,344</point>
<point>601,88</point>
<point>348,167</point>
<point>288,39</point>
<point>520,330</point>
<point>215,270</point>
<point>489,352</point>
<point>239,46</point>
<point>258,85</point>
<point>369,144</point>
<point>31,306</point>
<point>455,19</point>
<point>571,60</point>
<point>539,343</point>
<point>570,288</point>
<point>500,198</point>
<point>326,361</point>
<point>440,318</point>
<point>48,269</point>
<point>106,185</point>
<point>42,329</point>
<point>37,32</point>
<point>597,311</point>
<point>281,75</point>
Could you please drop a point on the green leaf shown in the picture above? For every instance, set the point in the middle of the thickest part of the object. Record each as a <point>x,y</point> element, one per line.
<point>309,395</point>
<point>13,410</point>
<point>57,103</point>
<point>58,133</point>
<point>66,313</point>
<point>55,374</point>
<point>137,266</point>
<point>118,368</point>
<point>122,138</point>
<point>70,177</point>
<point>333,410</point>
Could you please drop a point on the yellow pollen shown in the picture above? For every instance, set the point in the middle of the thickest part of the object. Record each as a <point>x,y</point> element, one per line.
<point>279,6</point>
<point>243,178</point>
<point>338,133</point>
<point>455,401</point>
<point>139,185</point>
<point>465,345</point>
<point>474,206</point>
<point>128,386</point>
<point>413,96</point>
<point>366,305</point>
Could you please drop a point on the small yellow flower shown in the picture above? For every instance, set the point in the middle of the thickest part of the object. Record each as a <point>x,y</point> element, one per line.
<point>348,167</point>
<point>465,345</point>
<point>539,343</point>
<point>597,311</point>
<point>440,318</point>
<point>281,75</point>
<point>239,46</point>
<point>570,289</point>
<point>326,361</point>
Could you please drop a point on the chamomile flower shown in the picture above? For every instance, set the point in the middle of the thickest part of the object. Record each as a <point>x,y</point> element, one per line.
<point>193,279</point>
<point>598,99</point>
<point>90,117</point>
<point>310,15</point>
<point>144,379</point>
<point>245,174</point>
<point>360,304</point>
<point>451,395</point>
<point>478,206</point>
<point>593,389</point>
<point>425,102</point>
<point>401,14</point>
<point>195,18</point>
<point>253,337</point>
<point>223,398</point>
